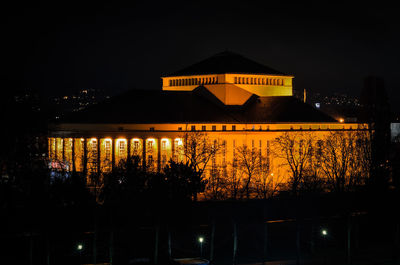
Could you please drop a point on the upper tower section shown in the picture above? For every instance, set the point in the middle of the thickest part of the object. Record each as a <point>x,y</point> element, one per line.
<point>232,78</point>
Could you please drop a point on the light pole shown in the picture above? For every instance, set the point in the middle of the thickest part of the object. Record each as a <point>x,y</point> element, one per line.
<point>79,247</point>
<point>201,240</point>
<point>324,234</point>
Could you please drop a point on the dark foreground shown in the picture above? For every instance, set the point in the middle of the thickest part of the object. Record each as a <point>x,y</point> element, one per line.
<point>360,229</point>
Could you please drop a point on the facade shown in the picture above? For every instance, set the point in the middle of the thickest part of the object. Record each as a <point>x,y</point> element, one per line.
<point>227,98</point>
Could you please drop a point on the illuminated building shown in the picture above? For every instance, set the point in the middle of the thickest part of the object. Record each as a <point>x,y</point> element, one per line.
<point>230,98</point>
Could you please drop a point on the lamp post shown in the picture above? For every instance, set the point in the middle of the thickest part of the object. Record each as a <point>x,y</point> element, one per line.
<point>324,234</point>
<point>79,247</point>
<point>201,240</point>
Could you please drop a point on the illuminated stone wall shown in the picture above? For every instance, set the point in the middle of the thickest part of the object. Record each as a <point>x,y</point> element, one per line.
<point>162,142</point>
<point>233,89</point>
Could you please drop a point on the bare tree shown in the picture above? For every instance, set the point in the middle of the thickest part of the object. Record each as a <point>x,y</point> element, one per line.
<point>217,183</point>
<point>249,163</point>
<point>294,149</point>
<point>234,180</point>
<point>345,159</point>
<point>199,150</point>
<point>267,183</point>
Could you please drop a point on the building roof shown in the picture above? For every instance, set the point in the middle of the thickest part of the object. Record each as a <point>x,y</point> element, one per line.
<point>225,63</point>
<point>197,106</point>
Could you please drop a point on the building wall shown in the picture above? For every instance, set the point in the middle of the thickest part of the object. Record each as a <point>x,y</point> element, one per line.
<point>156,144</point>
<point>231,88</point>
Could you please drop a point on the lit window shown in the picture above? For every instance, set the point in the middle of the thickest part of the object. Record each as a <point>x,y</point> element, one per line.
<point>164,145</point>
<point>121,147</point>
<point>107,148</point>
<point>203,128</point>
<point>193,127</point>
<point>150,145</point>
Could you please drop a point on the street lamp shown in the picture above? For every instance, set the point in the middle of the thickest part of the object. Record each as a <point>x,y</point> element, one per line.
<point>201,240</point>
<point>79,247</point>
<point>324,233</point>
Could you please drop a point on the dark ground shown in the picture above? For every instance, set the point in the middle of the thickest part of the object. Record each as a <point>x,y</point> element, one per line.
<point>374,223</point>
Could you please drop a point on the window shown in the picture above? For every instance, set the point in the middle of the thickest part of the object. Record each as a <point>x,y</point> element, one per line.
<point>235,80</point>
<point>214,128</point>
<point>179,128</point>
<point>150,145</point>
<point>203,128</point>
<point>193,128</point>
<point>152,129</point>
<point>107,147</point>
<point>224,127</point>
<point>233,127</point>
<point>136,145</point>
<point>164,145</point>
<point>121,147</point>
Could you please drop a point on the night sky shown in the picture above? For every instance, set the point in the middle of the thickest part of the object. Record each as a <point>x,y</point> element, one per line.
<point>60,46</point>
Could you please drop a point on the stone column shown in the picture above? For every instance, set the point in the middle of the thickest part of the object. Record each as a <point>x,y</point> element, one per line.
<point>73,156</point>
<point>173,151</point>
<point>98,156</point>
<point>85,157</point>
<point>114,145</point>
<point>55,149</point>
<point>63,149</point>
<point>144,153</point>
<point>128,143</point>
<point>158,143</point>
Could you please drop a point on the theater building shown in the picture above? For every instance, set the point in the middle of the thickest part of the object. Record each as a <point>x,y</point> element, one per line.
<point>232,99</point>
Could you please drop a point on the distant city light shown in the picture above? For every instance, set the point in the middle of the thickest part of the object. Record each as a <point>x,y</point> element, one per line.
<point>201,239</point>
<point>341,120</point>
<point>317,105</point>
<point>324,232</point>
<point>79,247</point>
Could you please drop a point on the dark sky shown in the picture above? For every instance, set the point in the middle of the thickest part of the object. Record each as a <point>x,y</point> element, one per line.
<point>60,46</point>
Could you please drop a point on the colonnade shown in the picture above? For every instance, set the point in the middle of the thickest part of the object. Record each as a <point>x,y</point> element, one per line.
<point>93,155</point>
